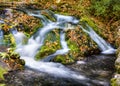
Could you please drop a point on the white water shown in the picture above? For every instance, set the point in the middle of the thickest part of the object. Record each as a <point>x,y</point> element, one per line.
<point>37,40</point>
<point>1,37</point>
<point>37,14</point>
<point>56,69</point>
<point>19,37</point>
<point>34,44</point>
<point>62,51</point>
<point>103,45</point>
<point>1,21</point>
<point>1,33</point>
<point>28,52</point>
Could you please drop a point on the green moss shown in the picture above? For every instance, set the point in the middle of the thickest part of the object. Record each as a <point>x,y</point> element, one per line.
<point>73,46</point>
<point>91,23</point>
<point>50,46</point>
<point>2,71</point>
<point>12,40</point>
<point>74,49</point>
<point>61,59</point>
<point>64,59</point>
<point>2,84</point>
<point>45,51</point>
<point>113,82</point>
<point>118,69</point>
<point>35,28</point>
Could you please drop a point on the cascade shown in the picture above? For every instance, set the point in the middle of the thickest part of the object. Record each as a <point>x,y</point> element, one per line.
<point>104,46</point>
<point>1,21</point>
<point>1,37</point>
<point>37,40</point>
<point>19,36</point>
<point>29,50</point>
<point>1,32</point>
<point>38,15</point>
<point>62,51</point>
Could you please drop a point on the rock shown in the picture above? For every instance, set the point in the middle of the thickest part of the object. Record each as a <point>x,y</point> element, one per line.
<point>100,70</point>
<point>29,77</point>
<point>115,81</point>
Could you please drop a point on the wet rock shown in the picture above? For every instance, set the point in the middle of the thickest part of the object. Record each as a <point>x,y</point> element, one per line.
<point>29,77</point>
<point>98,66</point>
<point>115,81</point>
<point>98,71</point>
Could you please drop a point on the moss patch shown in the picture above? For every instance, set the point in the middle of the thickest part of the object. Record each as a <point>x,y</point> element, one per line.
<point>64,59</point>
<point>51,44</point>
<point>2,72</point>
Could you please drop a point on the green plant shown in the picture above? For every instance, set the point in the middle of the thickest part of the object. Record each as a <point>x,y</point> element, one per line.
<point>2,72</point>
<point>105,8</point>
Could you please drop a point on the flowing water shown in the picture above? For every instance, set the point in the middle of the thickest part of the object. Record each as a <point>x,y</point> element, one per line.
<point>1,33</point>
<point>103,45</point>
<point>34,44</point>
<point>1,37</point>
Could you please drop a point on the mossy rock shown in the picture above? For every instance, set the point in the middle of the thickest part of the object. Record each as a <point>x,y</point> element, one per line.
<point>64,59</point>
<point>117,62</point>
<point>80,43</point>
<point>117,69</point>
<point>91,23</point>
<point>13,61</point>
<point>115,81</point>
<point>50,46</point>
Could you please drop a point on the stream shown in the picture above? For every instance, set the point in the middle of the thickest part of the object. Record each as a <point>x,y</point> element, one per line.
<point>95,70</point>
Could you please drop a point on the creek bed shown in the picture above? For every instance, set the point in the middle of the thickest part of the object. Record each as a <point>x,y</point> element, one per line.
<point>97,68</point>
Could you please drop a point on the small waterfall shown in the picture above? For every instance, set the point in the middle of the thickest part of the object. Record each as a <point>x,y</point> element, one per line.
<point>103,45</point>
<point>1,33</point>
<point>1,21</point>
<point>37,40</point>
<point>19,36</point>
<point>38,15</point>
<point>1,37</point>
<point>62,51</point>
<point>34,44</point>
<point>28,51</point>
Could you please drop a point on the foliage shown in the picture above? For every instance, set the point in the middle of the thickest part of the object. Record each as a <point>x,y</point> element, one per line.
<point>2,71</point>
<point>2,84</point>
<point>105,8</point>
<point>12,59</point>
<point>89,21</point>
<point>64,59</point>
<point>12,40</point>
